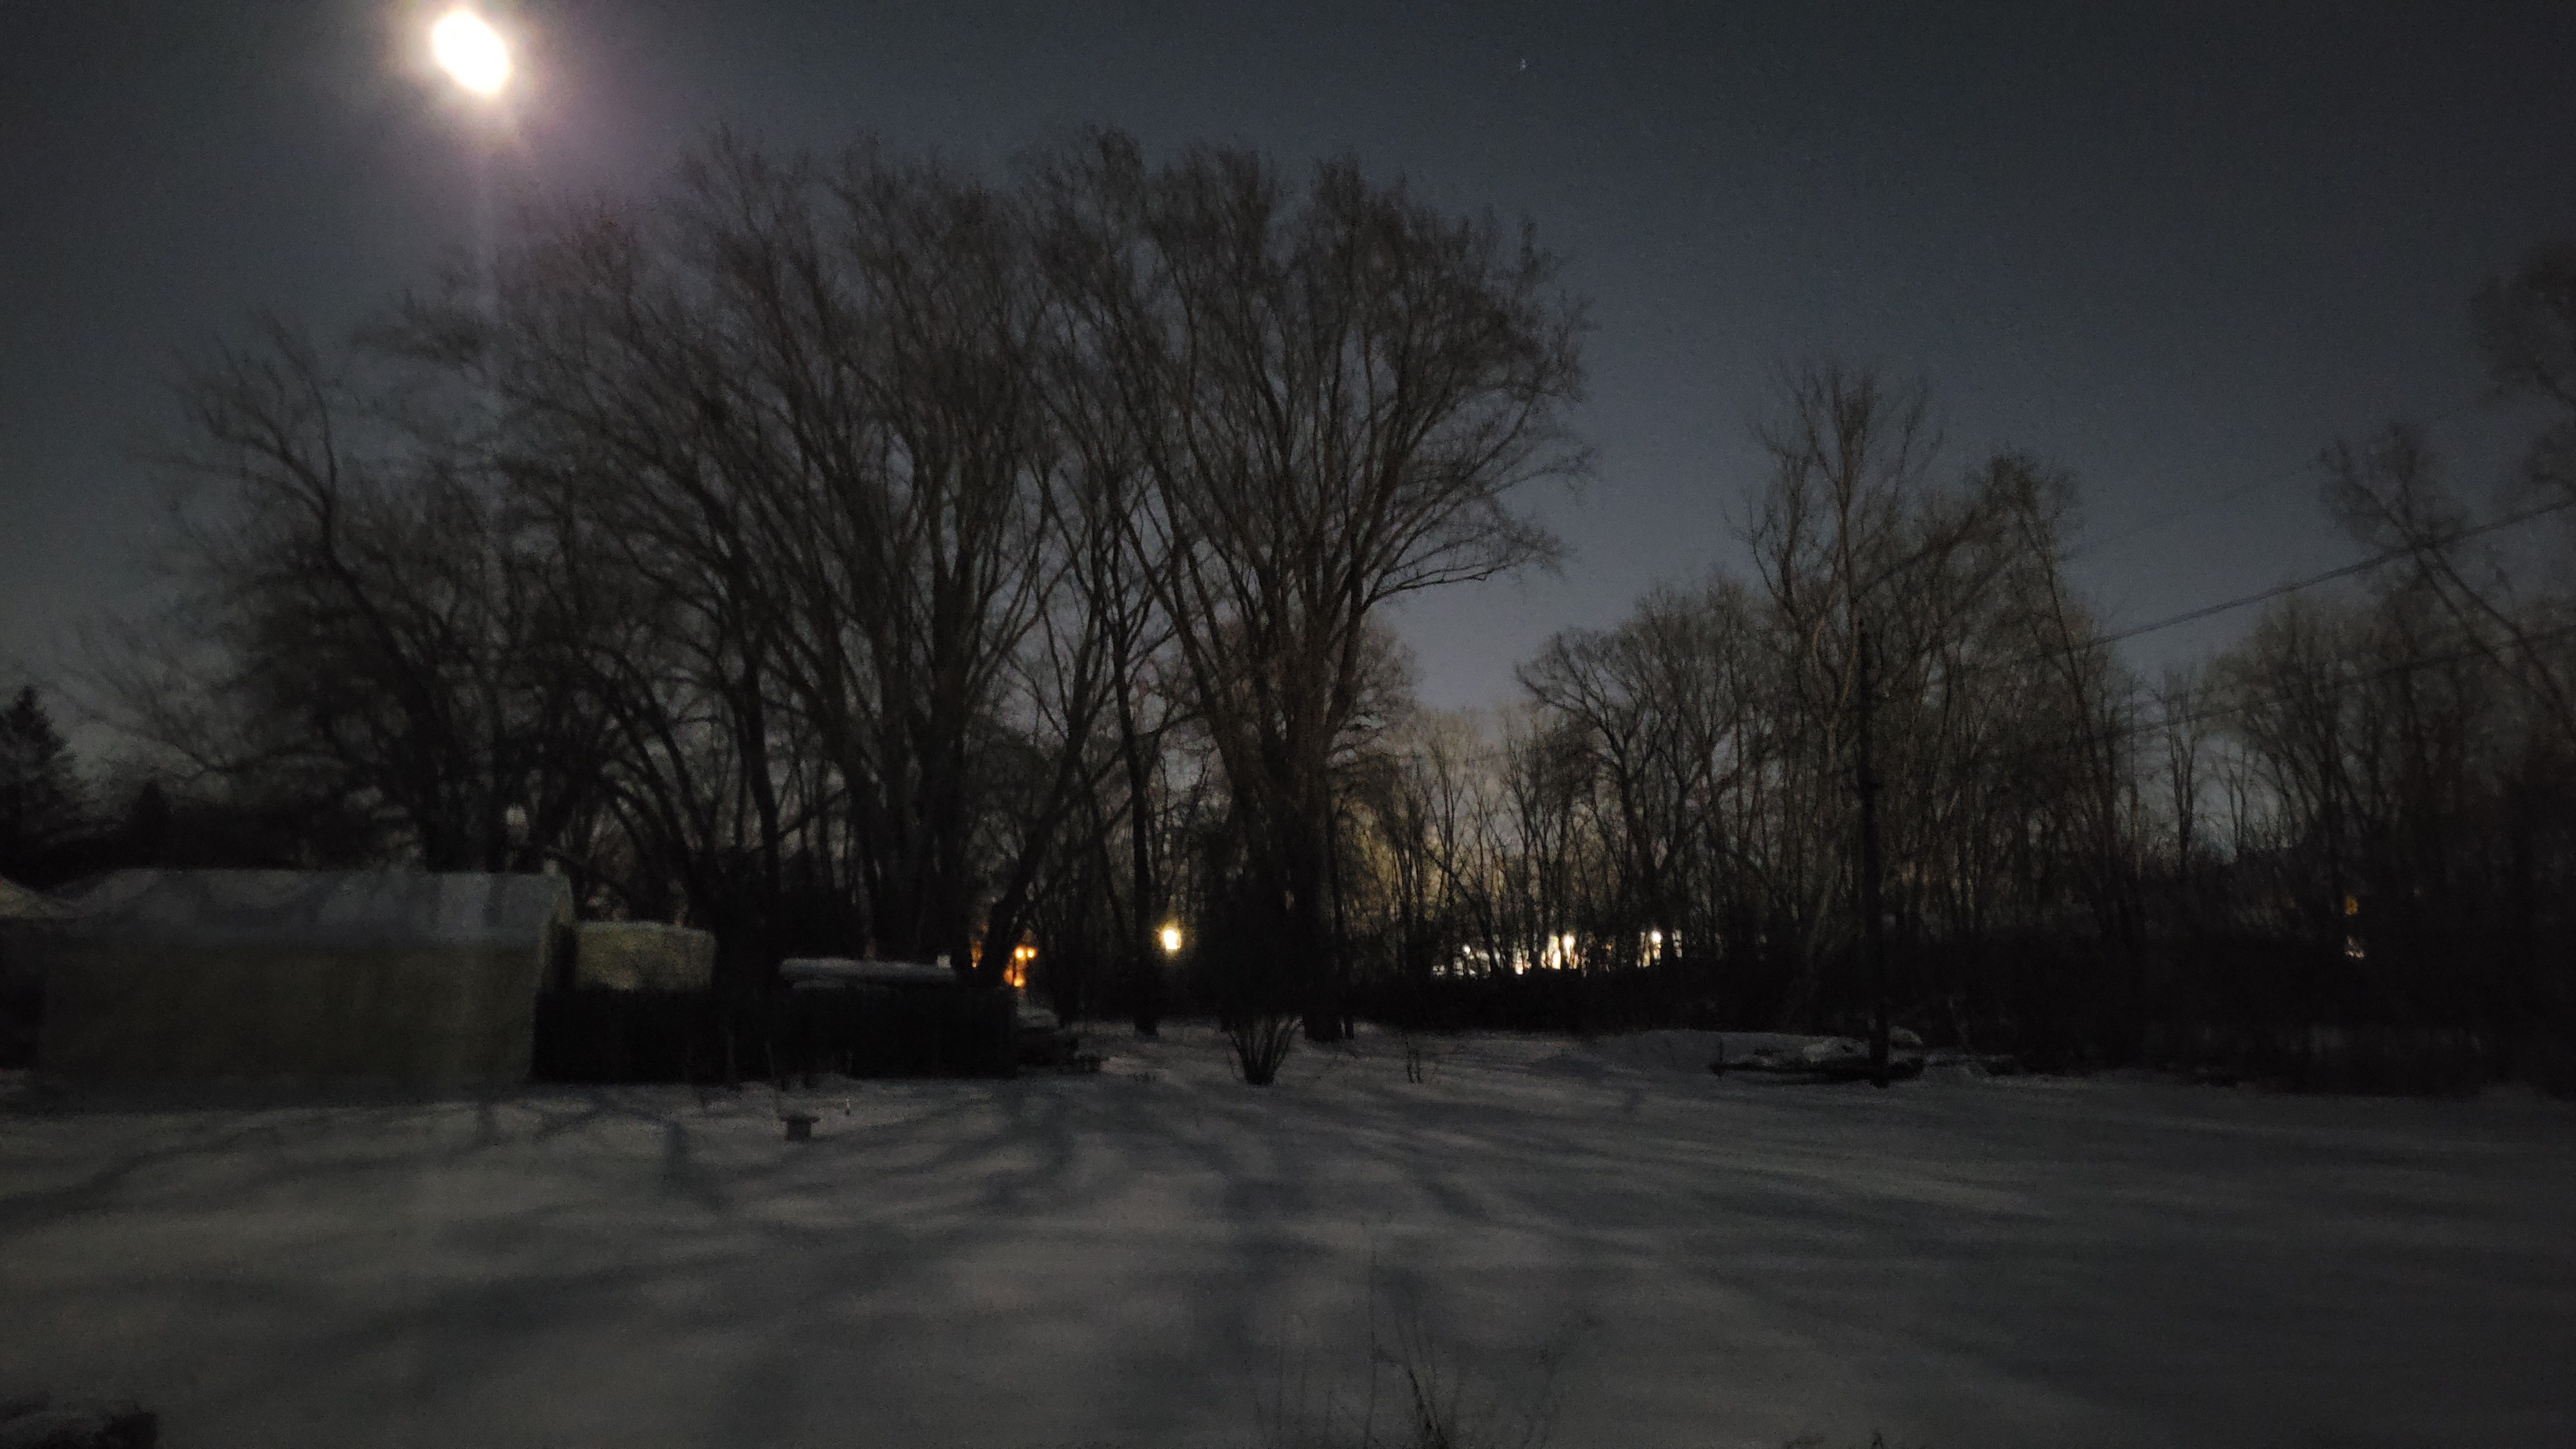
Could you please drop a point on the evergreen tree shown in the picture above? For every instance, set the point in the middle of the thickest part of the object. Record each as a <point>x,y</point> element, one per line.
<point>40,795</point>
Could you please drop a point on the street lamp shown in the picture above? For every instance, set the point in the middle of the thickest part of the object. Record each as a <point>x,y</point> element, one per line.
<point>1172,940</point>
<point>471,52</point>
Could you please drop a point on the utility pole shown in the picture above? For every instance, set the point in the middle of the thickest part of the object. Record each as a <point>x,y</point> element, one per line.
<point>1873,928</point>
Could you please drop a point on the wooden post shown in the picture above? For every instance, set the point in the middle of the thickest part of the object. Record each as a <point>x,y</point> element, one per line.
<point>1873,926</point>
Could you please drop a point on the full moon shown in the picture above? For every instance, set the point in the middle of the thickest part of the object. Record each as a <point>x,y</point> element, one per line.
<point>471,51</point>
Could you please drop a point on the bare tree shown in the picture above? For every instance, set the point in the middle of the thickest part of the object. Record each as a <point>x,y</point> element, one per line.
<point>811,396</point>
<point>1849,454</point>
<point>2389,491</point>
<point>357,603</point>
<point>1333,391</point>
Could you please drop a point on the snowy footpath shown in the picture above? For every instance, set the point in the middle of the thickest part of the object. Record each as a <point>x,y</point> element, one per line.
<point>1599,1240</point>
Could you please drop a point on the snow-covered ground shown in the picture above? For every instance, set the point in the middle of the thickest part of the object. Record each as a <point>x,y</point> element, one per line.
<point>1156,1255</point>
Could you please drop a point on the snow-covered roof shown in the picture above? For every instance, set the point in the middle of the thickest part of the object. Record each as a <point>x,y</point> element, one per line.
<point>841,970</point>
<point>17,903</point>
<point>642,956</point>
<point>327,909</point>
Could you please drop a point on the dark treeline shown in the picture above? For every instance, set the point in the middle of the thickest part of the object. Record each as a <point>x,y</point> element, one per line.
<point>873,556</point>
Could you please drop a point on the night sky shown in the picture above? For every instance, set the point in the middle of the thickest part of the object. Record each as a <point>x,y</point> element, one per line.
<point>2176,249</point>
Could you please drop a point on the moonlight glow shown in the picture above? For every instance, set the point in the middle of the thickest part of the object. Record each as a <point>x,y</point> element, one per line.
<point>471,52</point>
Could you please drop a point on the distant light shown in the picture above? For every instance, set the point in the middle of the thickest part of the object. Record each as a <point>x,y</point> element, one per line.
<point>1171,940</point>
<point>1655,936</point>
<point>471,52</point>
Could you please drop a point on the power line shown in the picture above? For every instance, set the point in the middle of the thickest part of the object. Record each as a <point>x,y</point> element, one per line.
<point>2361,566</point>
<point>2187,510</point>
<point>2343,571</point>
<point>2167,718</point>
<point>2300,469</point>
<point>2346,571</point>
<point>2405,666</point>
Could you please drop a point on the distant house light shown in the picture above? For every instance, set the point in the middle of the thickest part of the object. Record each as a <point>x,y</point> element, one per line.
<point>1557,952</point>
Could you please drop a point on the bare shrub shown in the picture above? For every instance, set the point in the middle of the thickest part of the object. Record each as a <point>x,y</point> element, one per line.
<point>1443,1407</point>
<point>1418,1059</point>
<point>1415,1391</point>
<point>1261,1042</point>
